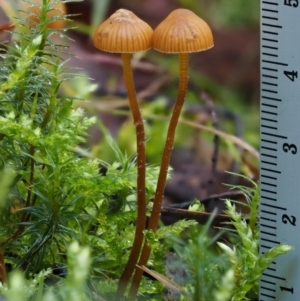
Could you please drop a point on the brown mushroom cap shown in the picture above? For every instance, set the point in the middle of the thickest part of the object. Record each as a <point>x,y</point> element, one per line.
<point>123,32</point>
<point>181,32</point>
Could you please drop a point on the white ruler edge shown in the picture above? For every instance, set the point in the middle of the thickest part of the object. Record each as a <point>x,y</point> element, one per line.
<point>280,146</point>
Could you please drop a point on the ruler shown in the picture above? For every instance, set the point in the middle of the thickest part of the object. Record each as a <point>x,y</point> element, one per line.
<point>280,146</point>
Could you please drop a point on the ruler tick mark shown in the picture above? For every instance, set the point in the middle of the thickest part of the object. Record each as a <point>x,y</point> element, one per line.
<point>268,233</point>
<point>269,156</point>
<point>269,76</point>
<point>268,105</point>
<point>273,276</point>
<point>271,98</point>
<point>270,10</point>
<point>272,206</point>
<point>266,296</point>
<point>270,40</point>
<point>269,141</point>
<point>268,289</point>
<point>268,112</point>
<point>269,127</point>
<point>270,32</point>
<point>268,219</point>
<point>268,177</point>
<point>271,170</point>
<point>267,226</point>
<point>270,69</point>
<point>270,47</point>
<point>268,119</point>
<point>265,247</point>
<point>270,18</point>
<point>269,191</point>
<point>269,184</point>
<point>272,241</point>
<point>273,135</point>
<point>268,212</point>
<point>270,84</point>
<point>270,3</point>
<point>270,54</point>
<point>269,91</point>
<point>273,283</point>
<point>275,63</point>
<point>269,148</point>
<point>268,198</point>
<point>272,25</point>
<point>269,163</point>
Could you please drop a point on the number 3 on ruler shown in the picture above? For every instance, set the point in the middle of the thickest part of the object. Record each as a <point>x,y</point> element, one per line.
<point>293,3</point>
<point>289,147</point>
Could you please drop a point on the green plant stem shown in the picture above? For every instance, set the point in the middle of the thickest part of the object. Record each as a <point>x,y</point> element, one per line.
<point>31,177</point>
<point>162,178</point>
<point>21,94</point>
<point>49,112</point>
<point>141,176</point>
<point>25,216</point>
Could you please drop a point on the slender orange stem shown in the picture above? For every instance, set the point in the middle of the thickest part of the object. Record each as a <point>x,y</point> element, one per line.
<point>141,175</point>
<point>162,178</point>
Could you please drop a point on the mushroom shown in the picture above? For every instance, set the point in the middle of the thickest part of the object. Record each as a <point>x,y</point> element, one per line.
<point>181,32</point>
<point>125,33</point>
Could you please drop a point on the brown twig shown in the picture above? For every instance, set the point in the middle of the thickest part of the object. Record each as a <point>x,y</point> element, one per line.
<point>6,26</point>
<point>12,236</point>
<point>116,61</point>
<point>239,142</point>
<point>164,280</point>
<point>201,217</point>
<point>221,196</point>
<point>3,276</point>
<point>234,139</point>
<point>153,87</point>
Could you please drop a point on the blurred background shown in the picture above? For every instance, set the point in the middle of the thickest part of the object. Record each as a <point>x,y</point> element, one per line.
<point>223,91</point>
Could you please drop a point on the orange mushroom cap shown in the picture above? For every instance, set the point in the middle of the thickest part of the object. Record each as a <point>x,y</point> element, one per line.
<point>182,32</point>
<point>123,32</point>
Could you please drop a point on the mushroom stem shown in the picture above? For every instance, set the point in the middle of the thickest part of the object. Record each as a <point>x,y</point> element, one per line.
<point>141,175</point>
<point>162,178</point>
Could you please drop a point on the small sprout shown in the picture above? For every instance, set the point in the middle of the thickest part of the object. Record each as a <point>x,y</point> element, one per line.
<point>196,206</point>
